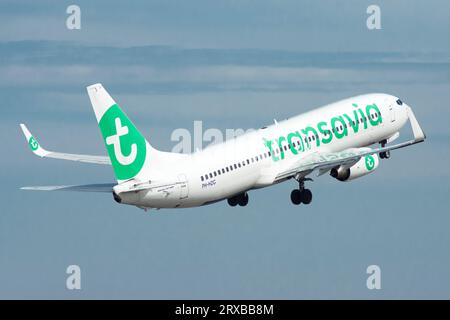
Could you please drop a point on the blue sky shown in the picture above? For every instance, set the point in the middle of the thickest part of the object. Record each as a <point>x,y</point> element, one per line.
<point>231,64</point>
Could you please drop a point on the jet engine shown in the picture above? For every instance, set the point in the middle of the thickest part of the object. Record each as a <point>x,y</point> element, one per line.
<point>367,164</point>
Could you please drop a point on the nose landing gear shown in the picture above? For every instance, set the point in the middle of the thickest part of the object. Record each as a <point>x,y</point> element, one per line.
<point>301,195</point>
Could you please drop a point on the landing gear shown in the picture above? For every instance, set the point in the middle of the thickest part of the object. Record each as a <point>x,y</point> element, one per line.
<point>240,199</point>
<point>296,197</point>
<point>233,201</point>
<point>384,154</point>
<point>243,199</point>
<point>301,195</point>
<point>306,196</point>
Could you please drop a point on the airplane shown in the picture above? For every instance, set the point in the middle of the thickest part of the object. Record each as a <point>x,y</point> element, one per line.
<point>345,139</point>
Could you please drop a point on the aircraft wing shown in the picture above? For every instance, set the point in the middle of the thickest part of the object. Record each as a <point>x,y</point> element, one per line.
<point>325,161</point>
<point>99,187</point>
<point>41,152</point>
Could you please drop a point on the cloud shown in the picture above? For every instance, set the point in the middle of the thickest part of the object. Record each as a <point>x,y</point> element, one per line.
<point>171,70</point>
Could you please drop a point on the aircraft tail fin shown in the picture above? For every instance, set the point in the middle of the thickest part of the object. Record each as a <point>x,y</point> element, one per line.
<point>127,147</point>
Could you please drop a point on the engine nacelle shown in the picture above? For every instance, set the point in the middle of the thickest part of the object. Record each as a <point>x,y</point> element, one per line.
<point>364,166</point>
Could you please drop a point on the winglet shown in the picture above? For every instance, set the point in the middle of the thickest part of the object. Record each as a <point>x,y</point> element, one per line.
<point>32,142</point>
<point>419,135</point>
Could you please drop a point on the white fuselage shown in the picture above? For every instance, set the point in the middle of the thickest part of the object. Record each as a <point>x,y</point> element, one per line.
<point>254,159</point>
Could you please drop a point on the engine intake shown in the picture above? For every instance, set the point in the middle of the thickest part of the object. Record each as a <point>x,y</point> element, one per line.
<point>340,173</point>
<point>364,166</point>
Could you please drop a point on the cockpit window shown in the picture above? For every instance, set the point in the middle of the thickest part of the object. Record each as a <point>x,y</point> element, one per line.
<point>399,102</point>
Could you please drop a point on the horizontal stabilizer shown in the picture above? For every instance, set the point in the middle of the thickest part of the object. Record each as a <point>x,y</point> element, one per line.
<point>41,152</point>
<point>99,187</point>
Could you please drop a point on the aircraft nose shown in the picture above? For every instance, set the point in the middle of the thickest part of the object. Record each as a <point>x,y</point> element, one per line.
<point>401,109</point>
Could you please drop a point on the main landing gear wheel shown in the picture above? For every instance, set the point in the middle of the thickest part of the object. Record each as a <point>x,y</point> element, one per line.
<point>233,201</point>
<point>301,195</point>
<point>240,199</point>
<point>306,196</point>
<point>296,197</point>
<point>243,199</point>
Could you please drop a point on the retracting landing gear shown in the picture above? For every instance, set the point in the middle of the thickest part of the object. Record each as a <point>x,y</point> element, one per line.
<point>240,199</point>
<point>384,154</point>
<point>301,195</point>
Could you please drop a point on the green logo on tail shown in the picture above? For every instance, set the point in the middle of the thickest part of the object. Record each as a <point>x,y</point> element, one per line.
<point>370,162</point>
<point>126,146</point>
<point>34,145</point>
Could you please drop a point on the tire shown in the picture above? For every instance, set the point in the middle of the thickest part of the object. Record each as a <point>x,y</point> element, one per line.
<point>306,196</point>
<point>233,201</point>
<point>243,199</point>
<point>296,197</point>
<point>387,154</point>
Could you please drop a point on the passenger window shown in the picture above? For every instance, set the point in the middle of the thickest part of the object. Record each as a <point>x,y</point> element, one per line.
<point>248,161</point>
<point>215,174</point>
<point>201,178</point>
<point>210,175</point>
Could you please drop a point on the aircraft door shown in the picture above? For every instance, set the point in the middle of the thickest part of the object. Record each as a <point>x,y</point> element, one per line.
<point>184,188</point>
<point>392,112</point>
